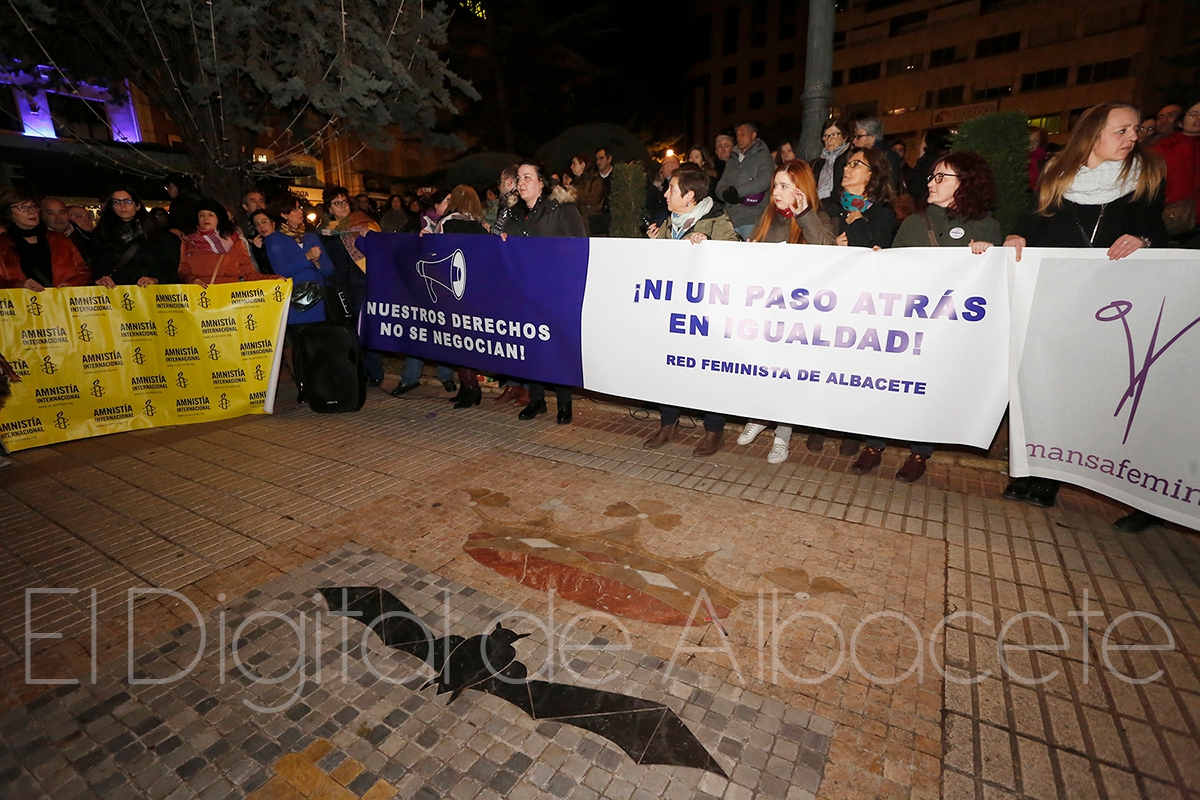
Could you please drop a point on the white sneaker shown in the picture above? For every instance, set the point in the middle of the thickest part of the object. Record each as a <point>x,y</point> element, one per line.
<point>751,432</point>
<point>779,452</point>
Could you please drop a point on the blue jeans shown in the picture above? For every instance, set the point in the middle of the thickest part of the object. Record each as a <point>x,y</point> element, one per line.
<point>412,371</point>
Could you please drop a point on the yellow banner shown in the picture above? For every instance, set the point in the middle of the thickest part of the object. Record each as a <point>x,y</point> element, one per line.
<point>94,361</point>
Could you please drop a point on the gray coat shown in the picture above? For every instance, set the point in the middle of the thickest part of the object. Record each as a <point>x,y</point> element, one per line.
<point>749,174</point>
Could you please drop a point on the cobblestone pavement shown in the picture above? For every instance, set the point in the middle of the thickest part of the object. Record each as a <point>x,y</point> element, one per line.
<point>818,633</point>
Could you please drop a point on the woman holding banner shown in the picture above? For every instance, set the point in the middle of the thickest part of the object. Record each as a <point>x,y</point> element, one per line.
<point>32,257</point>
<point>694,217</point>
<point>961,195</point>
<point>214,252</point>
<point>795,216</point>
<point>130,247</point>
<point>1103,190</point>
<point>542,211</point>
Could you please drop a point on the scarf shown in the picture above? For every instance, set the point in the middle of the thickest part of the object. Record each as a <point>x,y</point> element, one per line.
<point>34,256</point>
<point>352,227</point>
<point>1095,187</point>
<point>210,241</point>
<point>825,179</point>
<point>854,202</point>
<point>297,235</point>
<point>682,223</point>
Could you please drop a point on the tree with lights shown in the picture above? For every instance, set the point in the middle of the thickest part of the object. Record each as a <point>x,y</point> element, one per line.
<point>230,71</point>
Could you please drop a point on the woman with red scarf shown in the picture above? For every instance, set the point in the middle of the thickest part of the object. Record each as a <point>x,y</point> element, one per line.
<point>214,252</point>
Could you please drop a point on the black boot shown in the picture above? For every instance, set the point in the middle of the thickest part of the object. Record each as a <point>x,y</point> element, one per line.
<point>1043,494</point>
<point>534,408</point>
<point>469,397</point>
<point>564,413</point>
<point>1018,488</point>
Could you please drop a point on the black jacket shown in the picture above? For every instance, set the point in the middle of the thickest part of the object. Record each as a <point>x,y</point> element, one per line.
<point>156,256</point>
<point>876,228</point>
<point>1073,224</point>
<point>549,217</point>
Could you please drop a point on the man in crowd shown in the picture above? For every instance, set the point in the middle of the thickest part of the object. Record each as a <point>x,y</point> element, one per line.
<point>54,214</point>
<point>723,147</point>
<point>747,179</point>
<point>656,204</point>
<point>81,218</point>
<point>601,221</point>
<point>1165,123</point>
<point>252,201</point>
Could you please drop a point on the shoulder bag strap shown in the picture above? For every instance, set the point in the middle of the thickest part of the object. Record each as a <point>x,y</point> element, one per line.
<point>933,240</point>
<point>220,260</point>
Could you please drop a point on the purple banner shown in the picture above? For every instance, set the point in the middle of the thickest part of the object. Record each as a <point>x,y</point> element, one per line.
<point>512,307</point>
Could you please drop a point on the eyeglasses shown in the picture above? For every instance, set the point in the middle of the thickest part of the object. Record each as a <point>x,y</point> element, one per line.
<point>858,163</point>
<point>827,136</point>
<point>25,208</point>
<point>938,177</point>
<point>123,201</point>
<point>862,135</point>
<point>1144,128</point>
<point>339,203</point>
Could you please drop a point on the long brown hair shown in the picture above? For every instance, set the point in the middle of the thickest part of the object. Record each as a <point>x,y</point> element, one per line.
<point>1059,174</point>
<point>802,175</point>
<point>464,200</point>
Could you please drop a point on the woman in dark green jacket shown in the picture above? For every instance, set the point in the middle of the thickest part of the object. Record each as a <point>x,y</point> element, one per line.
<point>962,193</point>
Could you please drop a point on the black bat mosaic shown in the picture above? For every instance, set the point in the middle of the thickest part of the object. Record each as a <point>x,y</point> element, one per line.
<point>649,732</point>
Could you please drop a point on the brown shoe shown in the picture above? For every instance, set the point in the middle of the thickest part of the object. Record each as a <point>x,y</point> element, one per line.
<point>521,398</point>
<point>849,447</point>
<point>508,395</point>
<point>710,444</point>
<point>913,469</point>
<point>868,460</point>
<point>664,434</point>
<point>815,442</point>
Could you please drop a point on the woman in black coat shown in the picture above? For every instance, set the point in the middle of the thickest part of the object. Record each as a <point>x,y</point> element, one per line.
<point>863,213</point>
<point>831,164</point>
<point>1102,190</point>
<point>543,210</point>
<point>129,247</point>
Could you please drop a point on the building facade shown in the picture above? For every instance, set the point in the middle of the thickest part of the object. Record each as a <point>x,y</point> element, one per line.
<point>76,143</point>
<point>918,64</point>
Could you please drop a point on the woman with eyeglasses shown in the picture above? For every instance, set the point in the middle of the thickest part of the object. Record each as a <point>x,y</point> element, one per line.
<point>1103,190</point>
<point>130,247</point>
<point>31,256</point>
<point>864,209</point>
<point>829,166</point>
<point>340,240</point>
<point>961,195</point>
<point>793,217</point>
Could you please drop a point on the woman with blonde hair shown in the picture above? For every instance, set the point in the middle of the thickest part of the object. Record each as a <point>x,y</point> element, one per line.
<point>1103,190</point>
<point>464,213</point>
<point>794,216</point>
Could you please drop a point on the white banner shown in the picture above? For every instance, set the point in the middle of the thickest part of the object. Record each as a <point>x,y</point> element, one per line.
<point>1105,385</point>
<point>902,344</point>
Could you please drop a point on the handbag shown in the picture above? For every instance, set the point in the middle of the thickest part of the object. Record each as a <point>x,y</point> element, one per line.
<point>306,295</point>
<point>1180,217</point>
<point>933,240</point>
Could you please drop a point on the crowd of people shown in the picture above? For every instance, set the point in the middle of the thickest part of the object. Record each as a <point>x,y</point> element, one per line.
<point>1121,182</point>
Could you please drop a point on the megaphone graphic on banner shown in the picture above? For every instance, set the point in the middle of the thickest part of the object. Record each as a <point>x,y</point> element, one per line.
<point>449,273</point>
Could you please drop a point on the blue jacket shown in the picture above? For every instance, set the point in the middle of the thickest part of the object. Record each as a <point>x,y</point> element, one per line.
<point>287,259</point>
